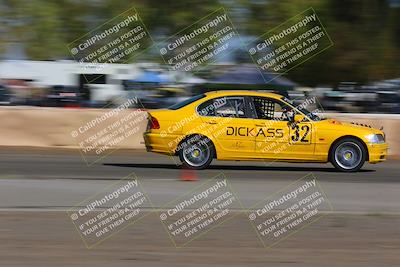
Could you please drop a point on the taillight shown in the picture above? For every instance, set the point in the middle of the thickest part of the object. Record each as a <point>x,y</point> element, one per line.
<point>154,124</point>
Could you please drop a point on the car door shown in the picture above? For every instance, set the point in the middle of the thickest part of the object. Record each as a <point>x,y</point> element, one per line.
<point>272,138</point>
<point>281,137</point>
<point>227,121</point>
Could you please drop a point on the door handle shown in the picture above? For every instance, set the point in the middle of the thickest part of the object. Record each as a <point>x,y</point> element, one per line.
<point>211,122</point>
<point>260,125</point>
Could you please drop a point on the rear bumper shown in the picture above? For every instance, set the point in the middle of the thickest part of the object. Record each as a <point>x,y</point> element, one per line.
<point>161,143</point>
<point>377,152</point>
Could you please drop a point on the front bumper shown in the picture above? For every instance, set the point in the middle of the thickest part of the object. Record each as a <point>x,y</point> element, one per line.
<point>377,152</point>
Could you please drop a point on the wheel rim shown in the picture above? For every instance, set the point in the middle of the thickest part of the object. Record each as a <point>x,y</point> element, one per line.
<point>196,155</point>
<point>348,155</point>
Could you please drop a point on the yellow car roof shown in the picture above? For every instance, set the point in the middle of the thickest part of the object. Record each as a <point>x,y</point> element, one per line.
<point>243,92</point>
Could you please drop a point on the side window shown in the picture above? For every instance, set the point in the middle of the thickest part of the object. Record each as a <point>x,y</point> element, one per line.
<point>223,107</point>
<point>269,109</point>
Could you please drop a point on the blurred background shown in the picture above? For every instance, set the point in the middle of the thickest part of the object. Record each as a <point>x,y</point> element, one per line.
<point>45,96</point>
<point>360,73</point>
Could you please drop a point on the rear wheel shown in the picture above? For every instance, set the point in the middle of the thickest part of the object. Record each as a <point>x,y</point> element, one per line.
<point>348,155</point>
<point>196,152</point>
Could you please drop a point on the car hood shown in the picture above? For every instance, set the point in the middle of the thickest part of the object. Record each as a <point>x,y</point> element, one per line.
<point>360,128</point>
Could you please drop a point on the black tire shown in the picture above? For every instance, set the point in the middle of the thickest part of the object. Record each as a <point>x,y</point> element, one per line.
<point>196,152</point>
<point>348,155</point>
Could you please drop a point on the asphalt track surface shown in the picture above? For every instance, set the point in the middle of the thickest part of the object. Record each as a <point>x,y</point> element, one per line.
<point>38,185</point>
<point>59,179</point>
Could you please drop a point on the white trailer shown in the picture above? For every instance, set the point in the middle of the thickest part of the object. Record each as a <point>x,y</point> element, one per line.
<point>103,81</point>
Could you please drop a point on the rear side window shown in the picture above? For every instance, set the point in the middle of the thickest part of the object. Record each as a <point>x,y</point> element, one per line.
<point>186,102</point>
<point>223,107</point>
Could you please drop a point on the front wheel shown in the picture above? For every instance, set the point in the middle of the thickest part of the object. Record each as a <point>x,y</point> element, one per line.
<point>196,152</point>
<point>348,155</point>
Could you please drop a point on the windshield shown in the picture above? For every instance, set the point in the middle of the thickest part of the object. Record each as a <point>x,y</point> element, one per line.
<point>312,116</point>
<point>186,102</point>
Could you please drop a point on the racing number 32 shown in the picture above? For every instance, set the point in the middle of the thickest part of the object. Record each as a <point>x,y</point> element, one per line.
<point>300,133</point>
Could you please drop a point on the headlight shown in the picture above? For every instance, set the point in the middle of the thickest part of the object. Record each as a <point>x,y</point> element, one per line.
<point>375,138</point>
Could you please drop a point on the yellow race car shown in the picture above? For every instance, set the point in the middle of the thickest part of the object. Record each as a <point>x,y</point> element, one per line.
<point>248,125</point>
